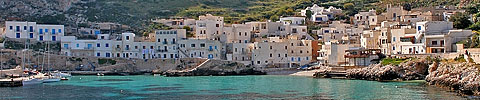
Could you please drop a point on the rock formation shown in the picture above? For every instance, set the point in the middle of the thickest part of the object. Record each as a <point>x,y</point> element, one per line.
<point>410,70</point>
<point>464,77</point>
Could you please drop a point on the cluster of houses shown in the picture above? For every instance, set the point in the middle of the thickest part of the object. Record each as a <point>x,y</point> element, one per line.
<point>284,43</point>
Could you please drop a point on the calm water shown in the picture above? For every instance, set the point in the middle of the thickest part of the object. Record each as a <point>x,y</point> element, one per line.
<point>225,87</point>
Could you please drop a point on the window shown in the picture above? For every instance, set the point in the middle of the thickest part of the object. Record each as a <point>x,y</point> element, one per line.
<point>53,31</point>
<point>11,27</point>
<point>89,46</point>
<point>46,30</point>
<point>41,39</point>
<point>106,45</point>
<point>393,39</point>
<point>98,44</point>
<point>17,35</point>
<point>270,55</point>
<point>107,54</point>
<point>299,59</point>
<point>24,27</point>
<point>98,54</point>
<point>419,28</point>
<point>285,55</point>
<point>285,47</point>
<point>434,43</point>
<point>40,31</point>
<point>65,46</point>
<point>18,29</point>
<point>78,45</point>
<point>393,48</point>
<point>192,45</point>
<point>54,38</point>
<point>31,35</point>
<point>31,28</point>
<point>306,58</point>
<point>59,30</point>
<point>217,25</point>
<point>202,45</point>
<point>270,47</point>
<point>127,37</point>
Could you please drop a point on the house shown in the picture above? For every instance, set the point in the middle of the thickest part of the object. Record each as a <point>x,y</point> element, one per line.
<point>34,31</point>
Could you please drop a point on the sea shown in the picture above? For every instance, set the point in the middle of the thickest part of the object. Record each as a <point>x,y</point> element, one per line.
<point>259,87</point>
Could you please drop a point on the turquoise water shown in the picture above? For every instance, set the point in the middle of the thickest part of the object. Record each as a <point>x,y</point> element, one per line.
<point>222,87</point>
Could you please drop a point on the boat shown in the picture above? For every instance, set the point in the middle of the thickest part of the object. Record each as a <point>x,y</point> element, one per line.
<point>64,79</point>
<point>32,81</point>
<point>100,74</point>
<point>60,74</point>
<point>51,79</point>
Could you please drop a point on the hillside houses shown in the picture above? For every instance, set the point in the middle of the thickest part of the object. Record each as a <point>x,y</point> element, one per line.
<point>284,43</point>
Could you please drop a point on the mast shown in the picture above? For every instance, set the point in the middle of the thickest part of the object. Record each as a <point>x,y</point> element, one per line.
<point>48,56</point>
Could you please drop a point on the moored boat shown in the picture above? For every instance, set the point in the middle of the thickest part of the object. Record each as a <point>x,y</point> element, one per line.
<point>32,81</point>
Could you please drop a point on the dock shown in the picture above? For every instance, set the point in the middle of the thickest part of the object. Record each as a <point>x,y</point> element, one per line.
<point>10,83</point>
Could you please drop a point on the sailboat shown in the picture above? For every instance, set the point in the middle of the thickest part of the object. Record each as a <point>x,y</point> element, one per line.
<point>47,78</point>
<point>29,80</point>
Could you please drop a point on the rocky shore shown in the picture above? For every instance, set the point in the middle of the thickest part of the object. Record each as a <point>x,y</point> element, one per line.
<point>410,70</point>
<point>216,68</point>
<point>462,77</point>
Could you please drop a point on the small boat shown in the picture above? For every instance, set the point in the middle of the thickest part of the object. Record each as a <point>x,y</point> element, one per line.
<point>64,79</point>
<point>60,74</point>
<point>51,79</point>
<point>32,81</point>
<point>100,74</point>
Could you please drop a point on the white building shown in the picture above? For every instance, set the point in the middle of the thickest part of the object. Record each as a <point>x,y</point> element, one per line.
<point>321,14</point>
<point>32,30</point>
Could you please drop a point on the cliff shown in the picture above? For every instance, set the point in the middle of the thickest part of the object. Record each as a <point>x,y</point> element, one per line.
<point>464,77</point>
<point>459,76</point>
<point>216,68</point>
<point>410,70</point>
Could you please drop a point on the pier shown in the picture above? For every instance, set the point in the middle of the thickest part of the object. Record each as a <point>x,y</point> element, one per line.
<point>10,83</point>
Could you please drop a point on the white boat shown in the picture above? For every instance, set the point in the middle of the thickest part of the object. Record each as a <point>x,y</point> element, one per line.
<point>60,74</point>
<point>32,81</point>
<point>51,79</point>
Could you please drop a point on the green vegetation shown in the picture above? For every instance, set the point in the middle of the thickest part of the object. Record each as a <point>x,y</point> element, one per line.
<point>461,20</point>
<point>460,58</point>
<point>152,27</point>
<point>2,39</point>
<point>392,61</point>
<point>38,46</point>
<point>107,61</point>
<point>189,31</point>
<point>473,42</point>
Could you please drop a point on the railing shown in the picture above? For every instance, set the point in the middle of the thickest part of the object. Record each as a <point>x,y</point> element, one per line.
<point>160,50</point>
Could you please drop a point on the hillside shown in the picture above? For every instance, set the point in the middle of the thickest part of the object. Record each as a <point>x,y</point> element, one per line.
<point>137,12</point>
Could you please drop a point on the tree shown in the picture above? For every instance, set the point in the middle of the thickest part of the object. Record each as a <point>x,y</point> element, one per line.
<point>308,13</point>
<point>475,26</point>
<point>471,9</point>
<point>407,6</point>
<point>274,18</point>
<point>349,9</point>
<point>348,6</point>
<point>460,20</point>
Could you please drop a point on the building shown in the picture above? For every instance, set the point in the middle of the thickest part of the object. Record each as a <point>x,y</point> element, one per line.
<point>34,31</point>
<point>321,14</point>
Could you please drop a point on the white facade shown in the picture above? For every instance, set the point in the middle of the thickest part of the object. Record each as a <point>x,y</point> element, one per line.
<point>32,30</point>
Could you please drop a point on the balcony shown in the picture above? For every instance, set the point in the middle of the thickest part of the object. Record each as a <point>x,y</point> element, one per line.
<point>161,50</point>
